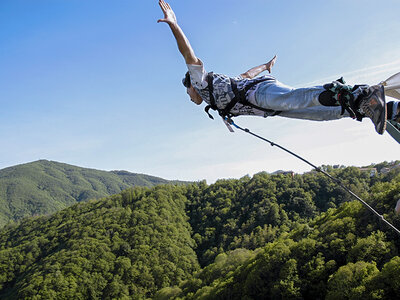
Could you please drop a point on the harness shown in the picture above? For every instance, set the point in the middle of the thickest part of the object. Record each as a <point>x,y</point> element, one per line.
<point>240,97</point>
<point>338,93</point>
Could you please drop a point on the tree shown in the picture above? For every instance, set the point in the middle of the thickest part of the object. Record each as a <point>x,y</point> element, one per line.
<point>351,281</point>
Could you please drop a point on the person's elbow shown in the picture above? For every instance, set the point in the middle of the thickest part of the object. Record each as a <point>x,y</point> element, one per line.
<point>191,59</point>
<point>246,75</point>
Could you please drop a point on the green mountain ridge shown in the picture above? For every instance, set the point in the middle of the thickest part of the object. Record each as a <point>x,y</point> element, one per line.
<point>261,237</point>
<point>44,187</point>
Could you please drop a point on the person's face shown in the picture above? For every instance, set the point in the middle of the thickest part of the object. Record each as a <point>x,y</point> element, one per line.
<point>194,95</point>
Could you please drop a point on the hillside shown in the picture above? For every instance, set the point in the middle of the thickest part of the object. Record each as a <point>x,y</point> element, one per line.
<point>266,236</point>
<point>332,257</point>
<point>44,187</point>
<point>133,243</point>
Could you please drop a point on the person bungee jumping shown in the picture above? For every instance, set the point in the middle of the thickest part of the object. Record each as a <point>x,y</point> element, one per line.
<point>250,94</point>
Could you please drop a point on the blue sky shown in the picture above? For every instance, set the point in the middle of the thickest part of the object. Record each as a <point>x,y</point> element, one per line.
<point>97,83</point>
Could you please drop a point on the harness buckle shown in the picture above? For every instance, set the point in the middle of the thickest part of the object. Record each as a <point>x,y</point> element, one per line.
<point>227,121</point>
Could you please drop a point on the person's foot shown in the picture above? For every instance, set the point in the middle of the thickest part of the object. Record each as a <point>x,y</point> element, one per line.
<point>373,106</point>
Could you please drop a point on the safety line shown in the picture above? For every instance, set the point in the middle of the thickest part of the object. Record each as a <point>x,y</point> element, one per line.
<point>338,181</point>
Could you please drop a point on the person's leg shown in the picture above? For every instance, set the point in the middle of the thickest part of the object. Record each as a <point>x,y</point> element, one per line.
<point>316,113</point>
<point>277,96</point>
<point>326,113</point>
<point>359,101</point>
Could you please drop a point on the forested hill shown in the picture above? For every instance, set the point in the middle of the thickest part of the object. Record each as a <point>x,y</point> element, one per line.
<point>265,237</point>
<point>44,187</point>
<point>132,243</point>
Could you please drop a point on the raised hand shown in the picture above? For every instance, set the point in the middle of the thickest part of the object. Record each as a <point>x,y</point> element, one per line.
<point>270,64</point>
<point>183,43</point>
<point>169,15</point>
<point>255,71</point>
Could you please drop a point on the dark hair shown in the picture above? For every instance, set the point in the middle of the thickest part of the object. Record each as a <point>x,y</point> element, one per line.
<point>186,81</point>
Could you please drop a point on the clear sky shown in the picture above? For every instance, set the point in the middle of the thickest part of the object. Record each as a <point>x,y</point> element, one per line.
<point>96,83</point>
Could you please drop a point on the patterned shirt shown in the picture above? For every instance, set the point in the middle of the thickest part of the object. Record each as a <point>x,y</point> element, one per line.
<point>222,90</point>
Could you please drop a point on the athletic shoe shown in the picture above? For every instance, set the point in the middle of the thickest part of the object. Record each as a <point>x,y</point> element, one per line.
<point>373,106</point>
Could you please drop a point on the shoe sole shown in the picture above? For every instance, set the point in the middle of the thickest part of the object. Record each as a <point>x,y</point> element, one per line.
<point>380,126</point>
<point>383,116</point>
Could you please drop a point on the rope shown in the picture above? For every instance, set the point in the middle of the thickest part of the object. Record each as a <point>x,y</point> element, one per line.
<point>336,180</point>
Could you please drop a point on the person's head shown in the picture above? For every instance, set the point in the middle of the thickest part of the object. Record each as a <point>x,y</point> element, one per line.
<point>193,94</point>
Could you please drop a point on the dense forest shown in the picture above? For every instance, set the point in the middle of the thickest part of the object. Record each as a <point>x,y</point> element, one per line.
<point>261,237</point>
<point>44,187</point>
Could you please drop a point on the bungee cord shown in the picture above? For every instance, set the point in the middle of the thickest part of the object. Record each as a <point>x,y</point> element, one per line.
<point>336,180</point>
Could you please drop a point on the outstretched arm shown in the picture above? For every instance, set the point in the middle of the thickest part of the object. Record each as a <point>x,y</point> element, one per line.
<point>183,43</point>
<point>253,72</point>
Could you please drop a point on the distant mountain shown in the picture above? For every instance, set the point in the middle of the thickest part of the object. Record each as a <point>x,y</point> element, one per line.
<point>43,187</point>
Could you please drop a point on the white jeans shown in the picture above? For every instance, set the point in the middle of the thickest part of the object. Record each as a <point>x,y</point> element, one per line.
<point>301,103</point>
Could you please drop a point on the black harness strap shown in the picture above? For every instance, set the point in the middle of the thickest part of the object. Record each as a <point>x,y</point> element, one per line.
<point>240,97</point>
<point>210,87</point>
<point>226,111</point>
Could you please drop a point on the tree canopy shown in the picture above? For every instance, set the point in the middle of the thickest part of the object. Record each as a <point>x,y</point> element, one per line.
<point>269,236</point>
